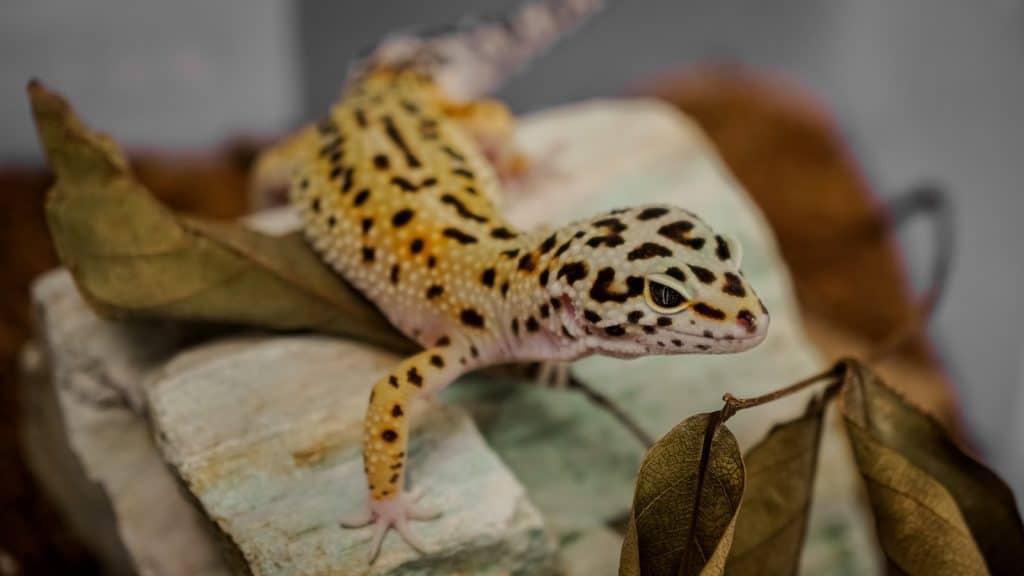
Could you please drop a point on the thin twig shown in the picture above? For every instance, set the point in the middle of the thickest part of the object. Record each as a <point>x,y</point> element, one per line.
<point>612,408</point>
<point>734,404</point>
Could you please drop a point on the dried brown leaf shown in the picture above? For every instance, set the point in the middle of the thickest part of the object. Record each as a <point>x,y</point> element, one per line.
<point>937,510</point>
<point>133,258</point>
<point>684,510</point>
<point>772,522</point>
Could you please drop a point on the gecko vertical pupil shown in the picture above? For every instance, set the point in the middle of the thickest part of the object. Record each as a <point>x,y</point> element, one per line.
<point>664,296</point>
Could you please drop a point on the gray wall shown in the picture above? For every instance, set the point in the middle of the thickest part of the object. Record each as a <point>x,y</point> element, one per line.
<point>177,75</point>
<point>925,89</point>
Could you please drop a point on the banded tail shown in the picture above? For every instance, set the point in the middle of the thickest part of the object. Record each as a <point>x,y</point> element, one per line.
<point>477,55</point>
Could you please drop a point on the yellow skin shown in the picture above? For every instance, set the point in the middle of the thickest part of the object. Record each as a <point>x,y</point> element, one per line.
<point>396,195</point>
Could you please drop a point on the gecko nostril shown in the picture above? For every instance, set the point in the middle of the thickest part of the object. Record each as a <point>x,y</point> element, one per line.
<point>747,320</point>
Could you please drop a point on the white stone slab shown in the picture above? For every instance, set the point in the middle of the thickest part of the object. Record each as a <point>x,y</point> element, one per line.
<point>266,433</point>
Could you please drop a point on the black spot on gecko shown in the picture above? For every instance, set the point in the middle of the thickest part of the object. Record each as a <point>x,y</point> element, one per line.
<point>464,173</point>
<point>649,329</point>
<point>410,107</point>
<point>601,290</point>
<point>615,330</point>
<point>610,241</point>
<point>436,361</point>
<point>381,162</point>
<point>679,232</point>
<point>652,213</point>
<point>471,191</point>
<point>473,351</point>
<point>367,225</point>
<point>561,249</point>
<point>613,224</point>
<point>648,250</point>
<point>315,205</point>
<point>556,303</point>
<point>389,436</point>
<point>431,261</point>
<point>368,254</point>
<point>416,246</point>
<point>677,342</point>
<point>443,341</point>
<point>459,236</point>
<point>335,157</point>
<point>572,272</point>
<point>396,411</point>
<point>664,321</point>
<point>532,325</point>
<point>703,274</point>
<point>399,141</point>
<point>347,181</point>
<point>393,381</point>
<point>453,154</point>
<point>510,254</point>
<point>332,220</point>
<point>394,273</point>
<point>471,317</point>
<point>414,377</point>
<point>361,197</point>
<point>504,289</point>
<point>547,245</point>
<point>402,217</point>
<point>487,278</point>
<point>591,316</point>
<point>545,311</point>
<point>542,279</point>
<point>360,116</point>
<point>335,173</point>
<point>404,184</point>
<point>526,263</point>
<point>734,286</point>
<point>708,311</point>
<point>461,209</point>
<point>393,479</point>
<point>676,273</point>
<point>635,316</point>
<point>503,234</point>
<point>515,327</point>
<point>721,248</point>
<point>434,291</point>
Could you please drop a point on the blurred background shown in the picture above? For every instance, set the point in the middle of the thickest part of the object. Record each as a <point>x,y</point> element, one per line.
<point>917,91</point>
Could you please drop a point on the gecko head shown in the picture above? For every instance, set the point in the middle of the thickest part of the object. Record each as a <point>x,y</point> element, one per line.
<point>657,280</point>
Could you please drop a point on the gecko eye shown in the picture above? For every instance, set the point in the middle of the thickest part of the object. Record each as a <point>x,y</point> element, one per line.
<point>665,295</point>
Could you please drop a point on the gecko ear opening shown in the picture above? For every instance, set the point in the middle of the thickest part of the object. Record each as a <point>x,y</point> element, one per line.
<point>666,295</point>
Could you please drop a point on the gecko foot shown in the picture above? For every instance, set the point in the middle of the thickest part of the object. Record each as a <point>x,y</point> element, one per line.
<point>553,375</point>
<point>392,513</point>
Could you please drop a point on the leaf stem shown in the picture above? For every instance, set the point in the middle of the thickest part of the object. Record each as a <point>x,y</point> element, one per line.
<point>734,404</point>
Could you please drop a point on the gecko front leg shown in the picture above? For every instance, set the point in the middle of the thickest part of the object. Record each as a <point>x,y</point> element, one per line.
<point>386,442</point>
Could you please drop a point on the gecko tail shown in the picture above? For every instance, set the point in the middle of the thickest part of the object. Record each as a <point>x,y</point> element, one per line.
<point>476,56</point>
